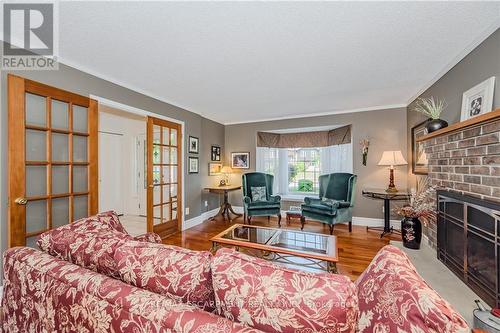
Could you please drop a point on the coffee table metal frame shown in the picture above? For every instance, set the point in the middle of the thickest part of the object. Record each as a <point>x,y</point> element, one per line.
<point>272,253</point>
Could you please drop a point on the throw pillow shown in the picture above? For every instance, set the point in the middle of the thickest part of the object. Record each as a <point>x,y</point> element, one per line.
<point>275,298</point>
<point>258,193</point>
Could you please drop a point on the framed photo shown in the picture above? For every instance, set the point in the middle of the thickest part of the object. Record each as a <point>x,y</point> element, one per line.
<point>194,145</point>
<point>214,168</point>
<point>478,99</point>
<point>240,160</point>
<point>419,164</point>
<point>215,153</point>
<point>193,164</point>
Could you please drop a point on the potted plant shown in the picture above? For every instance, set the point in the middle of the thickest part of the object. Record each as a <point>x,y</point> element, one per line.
<point>421,209</point>
<point>432,109</point>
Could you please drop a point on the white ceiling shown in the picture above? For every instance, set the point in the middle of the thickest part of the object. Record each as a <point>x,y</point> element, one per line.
<point>246,61</point>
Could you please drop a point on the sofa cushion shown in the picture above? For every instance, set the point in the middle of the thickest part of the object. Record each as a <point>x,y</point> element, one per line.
<point>394,298</point>
<point>263,205</point>
<point>169,270</point>
<point>320,209</point>
<point>274,298</point>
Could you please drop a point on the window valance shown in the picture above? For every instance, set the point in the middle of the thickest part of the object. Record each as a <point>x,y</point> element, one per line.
<point>337,136</point>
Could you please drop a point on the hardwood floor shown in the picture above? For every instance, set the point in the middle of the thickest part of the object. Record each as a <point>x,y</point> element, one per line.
<point>356,249</point>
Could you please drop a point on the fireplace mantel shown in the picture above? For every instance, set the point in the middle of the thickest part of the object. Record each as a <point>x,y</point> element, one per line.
<point>485,118</point>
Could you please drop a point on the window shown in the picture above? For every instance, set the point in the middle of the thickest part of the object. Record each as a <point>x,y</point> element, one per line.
<point>304,168</point>
<point>296,170</point>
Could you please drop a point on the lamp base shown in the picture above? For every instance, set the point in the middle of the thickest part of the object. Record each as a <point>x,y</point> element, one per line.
<point>392,190</point>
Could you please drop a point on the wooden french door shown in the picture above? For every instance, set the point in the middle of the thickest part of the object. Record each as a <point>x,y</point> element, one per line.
<point>164,173</point>
<point>52,158</point>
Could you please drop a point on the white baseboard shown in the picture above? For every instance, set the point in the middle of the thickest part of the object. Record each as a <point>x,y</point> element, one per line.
<point>356,220</point>
<point>199,219</point>
<point>374,222</point>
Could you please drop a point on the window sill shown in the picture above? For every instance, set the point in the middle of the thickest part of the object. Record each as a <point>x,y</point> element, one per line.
<point>296,197</point>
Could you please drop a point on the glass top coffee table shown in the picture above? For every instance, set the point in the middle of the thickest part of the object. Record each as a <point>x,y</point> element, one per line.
<point>291,247</point>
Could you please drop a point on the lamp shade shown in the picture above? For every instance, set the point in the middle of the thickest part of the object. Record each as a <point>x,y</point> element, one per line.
<point>226,169</point>
<point>392,157</point>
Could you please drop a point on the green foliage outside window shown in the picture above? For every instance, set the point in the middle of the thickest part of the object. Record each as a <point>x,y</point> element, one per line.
<point>305,185</point>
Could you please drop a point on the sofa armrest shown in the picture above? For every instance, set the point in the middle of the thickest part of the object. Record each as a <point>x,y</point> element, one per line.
<point>149,237</point>
<point>332,204</point>
<point>426,311</point>
<point>247,200</point>
<point>275,198</point>
<point>311,200</point>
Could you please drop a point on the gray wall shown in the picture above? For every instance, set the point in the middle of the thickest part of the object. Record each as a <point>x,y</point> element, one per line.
<point>213,134</point>
<point>385,129</point>
<point>482,63</point>
<point>79,82</point>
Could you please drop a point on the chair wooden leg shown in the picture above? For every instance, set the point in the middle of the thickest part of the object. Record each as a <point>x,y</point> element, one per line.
<point>350,226</point>
<point>244,218</point>
<point>279,220</point>
<point>268,218</point>
<point>302,222</point>
<point>331,228</point>
<point>249,220</point>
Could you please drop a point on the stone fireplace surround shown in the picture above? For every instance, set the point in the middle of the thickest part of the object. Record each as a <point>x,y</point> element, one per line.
<point>467,161</point>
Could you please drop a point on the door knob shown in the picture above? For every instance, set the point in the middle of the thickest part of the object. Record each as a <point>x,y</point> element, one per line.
<point>21,201</point>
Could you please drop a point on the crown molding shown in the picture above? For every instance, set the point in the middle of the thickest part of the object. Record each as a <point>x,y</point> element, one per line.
<point>319,114</point>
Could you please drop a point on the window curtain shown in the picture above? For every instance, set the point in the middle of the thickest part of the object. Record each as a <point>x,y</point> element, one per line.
<point>337,136</point>
<point>274,161</point>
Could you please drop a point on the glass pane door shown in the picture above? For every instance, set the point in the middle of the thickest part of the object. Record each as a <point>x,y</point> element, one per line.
<point>52,144</point>
<point>163,182</point>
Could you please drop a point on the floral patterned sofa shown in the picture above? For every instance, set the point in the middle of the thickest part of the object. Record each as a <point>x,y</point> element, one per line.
<point>91,276</point>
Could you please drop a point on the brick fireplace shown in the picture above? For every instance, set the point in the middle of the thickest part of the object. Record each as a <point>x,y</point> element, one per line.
<point>466,160</point>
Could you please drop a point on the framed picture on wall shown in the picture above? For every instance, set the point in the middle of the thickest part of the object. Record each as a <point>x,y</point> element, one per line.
<point>215,153</point>
<point>478,99</point>
<point>194,145</point>
<point>419,164</point>
<point>214,168</point>
<point>193,164</point>
<point>240,160</point>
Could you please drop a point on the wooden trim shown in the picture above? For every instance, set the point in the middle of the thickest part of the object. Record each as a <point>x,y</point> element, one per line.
<point>149,175</point>
<point>56,93</point>
<point>16,158</point>
<point>48,109</point>
<point>93,156</point>
<point>487,117</point>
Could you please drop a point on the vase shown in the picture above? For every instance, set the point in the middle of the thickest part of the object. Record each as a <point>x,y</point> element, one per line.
<point>411,232</point>
<point>435,124</point>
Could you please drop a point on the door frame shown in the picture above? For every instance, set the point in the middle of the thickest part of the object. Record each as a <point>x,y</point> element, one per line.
<point>142,112</point>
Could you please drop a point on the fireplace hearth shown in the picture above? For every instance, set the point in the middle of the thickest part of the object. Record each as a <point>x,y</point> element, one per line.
<point>468,241</point>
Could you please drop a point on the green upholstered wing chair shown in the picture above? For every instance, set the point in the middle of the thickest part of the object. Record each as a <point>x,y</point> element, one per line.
<point>258,198</point>
<point>336,199</point>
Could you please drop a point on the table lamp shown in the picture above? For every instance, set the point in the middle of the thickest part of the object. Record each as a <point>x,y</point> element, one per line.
<point>226,171</point>
<point>392,158</point>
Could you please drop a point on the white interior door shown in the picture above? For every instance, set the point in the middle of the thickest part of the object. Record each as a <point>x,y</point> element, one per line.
<point>110,172</point>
